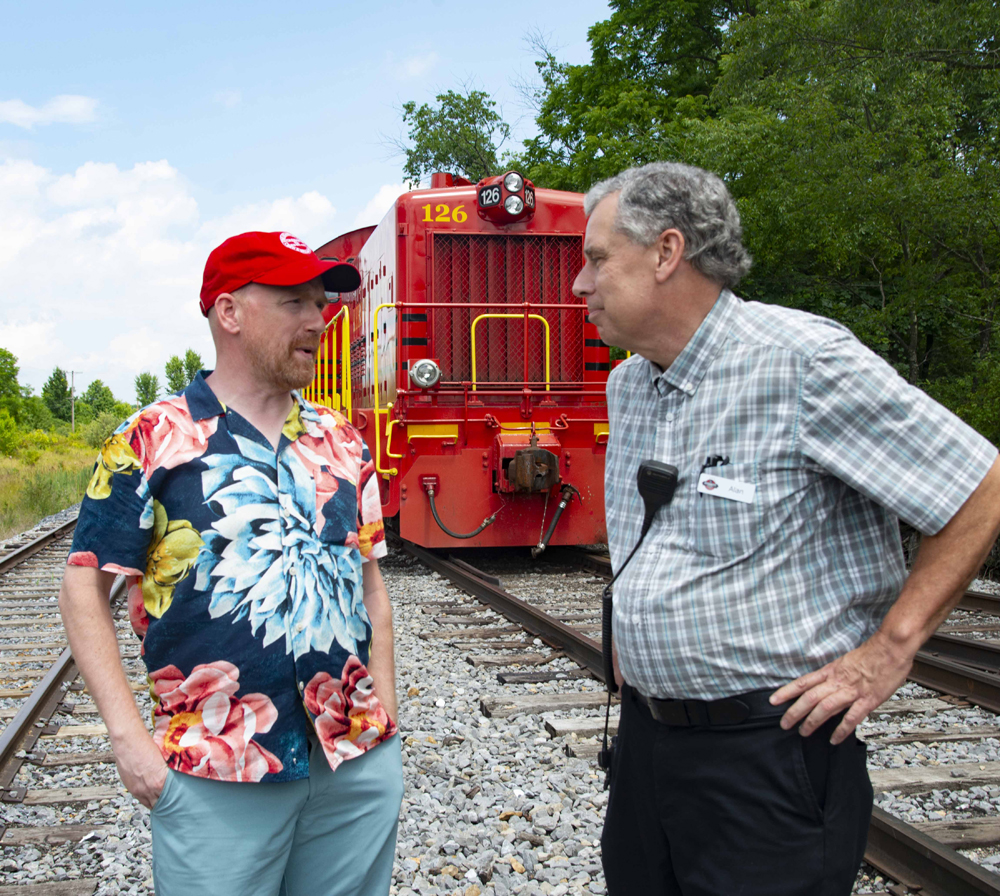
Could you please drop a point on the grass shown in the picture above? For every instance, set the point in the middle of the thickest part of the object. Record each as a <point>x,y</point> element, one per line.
<point>41,481</point>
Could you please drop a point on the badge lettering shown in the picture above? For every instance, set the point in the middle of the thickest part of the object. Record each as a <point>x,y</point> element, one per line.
<point>730,489</point>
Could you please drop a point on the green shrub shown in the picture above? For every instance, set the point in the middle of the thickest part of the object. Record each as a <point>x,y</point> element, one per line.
<point>37,439</point>
<point>94,434</point>
<point>35,414</point>
<point>30,456</point>
<point>10,438</point>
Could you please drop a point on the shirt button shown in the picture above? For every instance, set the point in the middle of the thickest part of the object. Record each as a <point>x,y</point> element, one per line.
<point>669,418</point>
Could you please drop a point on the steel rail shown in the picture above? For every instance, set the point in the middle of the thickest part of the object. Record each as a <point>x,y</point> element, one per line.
<point>983,655</point>
<point>25,728</point>
<point>957,679</point>
<point>921,864</point>
<point>980,600</point>
<point>586,651</point>
<point>33,547</point>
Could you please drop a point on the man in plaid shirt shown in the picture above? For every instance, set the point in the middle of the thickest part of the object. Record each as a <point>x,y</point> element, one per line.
<point>769,610</point>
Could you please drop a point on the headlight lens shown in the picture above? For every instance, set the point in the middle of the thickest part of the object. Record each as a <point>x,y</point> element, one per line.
<point>424,373</point>
<point>513,182</point>
<point>514,205</point>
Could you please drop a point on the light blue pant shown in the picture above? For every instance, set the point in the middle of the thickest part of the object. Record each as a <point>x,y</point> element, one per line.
<point>333,834</point>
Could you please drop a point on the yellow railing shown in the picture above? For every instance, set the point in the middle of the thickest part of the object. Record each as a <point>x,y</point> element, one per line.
<point>545,323</point>
<point>391,471</point>
<point>318,391</point>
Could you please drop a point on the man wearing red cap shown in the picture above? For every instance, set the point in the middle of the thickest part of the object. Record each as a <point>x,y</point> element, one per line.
<point>248,524</point>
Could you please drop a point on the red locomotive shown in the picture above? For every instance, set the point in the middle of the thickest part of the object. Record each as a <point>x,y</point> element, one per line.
<point>470,368</point>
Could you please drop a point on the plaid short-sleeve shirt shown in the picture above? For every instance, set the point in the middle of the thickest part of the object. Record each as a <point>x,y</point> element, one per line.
<point>245,586</point>
<point>729,596</point>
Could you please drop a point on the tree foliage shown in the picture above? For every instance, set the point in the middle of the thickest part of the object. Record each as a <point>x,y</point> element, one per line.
<point>55,394</point>
<point>99,397</point>
<point>653,66</point>
<point>174,370</point>
<point>9,370</point>
<point>461,133</point>
<point>147,388</point>
<point>858,138</point>
<point>192,364</point>
<point>181,372</point>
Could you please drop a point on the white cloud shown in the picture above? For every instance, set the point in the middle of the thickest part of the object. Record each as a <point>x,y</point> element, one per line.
<point>101,266</point>
<point>64,109</point>
<point>415,66</point>
<point>307,216</point>
<point>228,98</point>
<point>379,204</point>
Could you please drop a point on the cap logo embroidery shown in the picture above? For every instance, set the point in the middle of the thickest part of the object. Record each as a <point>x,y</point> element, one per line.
<point>294,243</point>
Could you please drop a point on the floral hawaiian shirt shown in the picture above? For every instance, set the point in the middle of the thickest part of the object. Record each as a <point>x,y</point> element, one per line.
<point>244,573</point>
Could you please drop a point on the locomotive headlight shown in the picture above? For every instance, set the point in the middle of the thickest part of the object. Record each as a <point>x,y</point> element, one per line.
<point>513,182</point>
<point>424,373</point>
<point>513,204</point>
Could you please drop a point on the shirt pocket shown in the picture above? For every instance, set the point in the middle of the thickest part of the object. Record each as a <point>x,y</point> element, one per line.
<point>722,527</point>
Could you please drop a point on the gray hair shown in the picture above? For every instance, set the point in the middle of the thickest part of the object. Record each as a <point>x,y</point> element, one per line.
<point>664,195</point>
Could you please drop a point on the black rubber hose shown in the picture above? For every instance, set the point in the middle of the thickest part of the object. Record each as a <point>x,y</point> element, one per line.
<point>486,522</point>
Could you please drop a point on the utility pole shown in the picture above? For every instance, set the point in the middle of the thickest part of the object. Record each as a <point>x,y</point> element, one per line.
<point>72,399</point>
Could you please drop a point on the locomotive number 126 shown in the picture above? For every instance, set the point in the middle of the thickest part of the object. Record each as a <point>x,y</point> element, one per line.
<point>445,213</point>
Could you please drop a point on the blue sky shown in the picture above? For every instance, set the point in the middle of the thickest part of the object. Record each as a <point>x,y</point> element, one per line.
<point>135,137</point>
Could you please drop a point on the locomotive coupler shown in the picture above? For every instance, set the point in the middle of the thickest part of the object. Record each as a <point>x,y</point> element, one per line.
<point>565,496</point>
<point>533,469</point>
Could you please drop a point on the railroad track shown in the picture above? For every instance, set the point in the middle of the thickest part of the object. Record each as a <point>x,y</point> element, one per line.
<point>965,672</point>
<point>51,725</point>
<point>56,770</point>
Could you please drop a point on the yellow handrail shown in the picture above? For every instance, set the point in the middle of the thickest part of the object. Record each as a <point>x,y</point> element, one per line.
<point>345,360</point>
<point>389,424</point>
<point>317,391</point>
<point>533,317</point>
<point>391,471</point>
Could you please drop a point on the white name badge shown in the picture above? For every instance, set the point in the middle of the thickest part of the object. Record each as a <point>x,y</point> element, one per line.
<point>720,487</point>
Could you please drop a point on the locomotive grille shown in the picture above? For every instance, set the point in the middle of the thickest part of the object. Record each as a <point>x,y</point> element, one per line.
<point>470,271</point>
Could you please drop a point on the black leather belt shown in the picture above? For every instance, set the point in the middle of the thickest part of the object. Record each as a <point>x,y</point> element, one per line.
<point>705,713</point>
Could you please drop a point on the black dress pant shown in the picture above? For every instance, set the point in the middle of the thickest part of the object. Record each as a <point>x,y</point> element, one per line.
<point>743,809</point>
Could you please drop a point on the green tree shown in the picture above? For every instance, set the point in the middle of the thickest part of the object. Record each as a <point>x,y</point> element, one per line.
<point>9,370</point>
<point>653,66</point>
<point>99,397</point>
<point>55,394</point>
<point>176,378</point>
<point>147,388</point>
<point>859,139</point>
<point>192,364</point>
<point>35,414</point>
<point>10,439</point>
<point>181,373</point>
<point>462,134</point>
<point>122,410</point>
<point>10,390</point>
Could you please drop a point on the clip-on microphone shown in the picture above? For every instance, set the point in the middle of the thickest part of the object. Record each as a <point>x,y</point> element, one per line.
<point>656,482</point>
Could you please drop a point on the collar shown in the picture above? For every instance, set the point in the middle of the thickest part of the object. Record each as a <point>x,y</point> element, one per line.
<point>691,365</point>
<point>202,401</point>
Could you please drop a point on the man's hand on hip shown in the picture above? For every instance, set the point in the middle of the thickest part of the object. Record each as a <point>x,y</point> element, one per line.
<point>142,769</point>
<point>857,682</point>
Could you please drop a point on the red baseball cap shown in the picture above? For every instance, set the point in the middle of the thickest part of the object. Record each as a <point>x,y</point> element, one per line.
<point>275,259</point>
